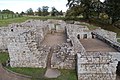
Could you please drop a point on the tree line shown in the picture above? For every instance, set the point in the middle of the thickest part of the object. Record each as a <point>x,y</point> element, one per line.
<point>43,12</point>
<point>94,9</point>
<point>40,12</point>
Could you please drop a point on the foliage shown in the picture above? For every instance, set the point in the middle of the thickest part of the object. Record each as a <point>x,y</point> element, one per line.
<point>3,57</point>
<point>94,8</point>
<point>55,12</point>
<point>75,11</point>
<point>6,11</point>
<point>30,12</point>
<point>39,12</point>
<point>113,9</point>
<point>22,13</point>
<point>85,4</point>
<point>89,8</point>
<point>118,40</point>
<point>45,11</point>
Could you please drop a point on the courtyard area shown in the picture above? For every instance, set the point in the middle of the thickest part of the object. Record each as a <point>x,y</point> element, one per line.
<point>54,39</point>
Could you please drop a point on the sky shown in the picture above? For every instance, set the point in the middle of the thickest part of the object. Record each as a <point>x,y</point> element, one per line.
<point>23,5</point>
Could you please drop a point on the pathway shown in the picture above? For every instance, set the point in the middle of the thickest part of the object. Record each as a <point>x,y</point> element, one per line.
<point>5,75</point>
<point>51,73</point>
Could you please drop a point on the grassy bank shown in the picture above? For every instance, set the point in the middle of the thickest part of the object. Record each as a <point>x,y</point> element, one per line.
<point>3,57</point>
<point>38,73</point>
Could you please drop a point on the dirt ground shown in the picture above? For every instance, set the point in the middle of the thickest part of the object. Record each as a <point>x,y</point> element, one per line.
<point>96,45</point>
<point>54,39</point>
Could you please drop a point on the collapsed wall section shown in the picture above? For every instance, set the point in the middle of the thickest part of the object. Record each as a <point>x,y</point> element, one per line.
<point>63,57</point>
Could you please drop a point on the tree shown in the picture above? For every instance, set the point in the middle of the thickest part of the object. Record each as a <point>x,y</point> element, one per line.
<point>30,11</point>
<point>113,9</point>
<point>54,12</point>
<point>61,13</point>
<point>45,11</point>
<point>22,13</point>
<point>85,7</point>
<point>96,8</point>
<point>6,11</point>
<point>74,11</point>
<point>85,4</point>
<point>39,12</point>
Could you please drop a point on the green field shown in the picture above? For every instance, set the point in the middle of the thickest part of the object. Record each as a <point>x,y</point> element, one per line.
<point>5,22</point>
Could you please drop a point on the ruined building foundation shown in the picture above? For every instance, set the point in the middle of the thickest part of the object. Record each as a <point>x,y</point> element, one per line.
<point>55,44</point>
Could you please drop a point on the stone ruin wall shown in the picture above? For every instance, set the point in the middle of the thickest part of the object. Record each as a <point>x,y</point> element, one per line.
<point>64,55</point>
<point>72,32</point>
<point>97,65</point>
<point>23,44</point>
<point>3,38</point>
<point>107,34</point>
<point>107,37</point>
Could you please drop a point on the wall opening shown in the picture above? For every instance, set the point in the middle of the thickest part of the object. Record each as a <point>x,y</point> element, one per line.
<point>93,36</point>
<point>85,36</point>
<point>78,36</point>
<point>12,30</point>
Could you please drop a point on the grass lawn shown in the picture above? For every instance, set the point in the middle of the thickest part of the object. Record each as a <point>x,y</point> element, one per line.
<point>3,57</point>
<point>38,73</point>
<point>5,22</point>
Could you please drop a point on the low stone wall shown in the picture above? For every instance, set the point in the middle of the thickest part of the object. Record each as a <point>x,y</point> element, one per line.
<point>107,34</point>
<point>112,43</point>
<point>23,43</point>
<point>97,65</point>
<point>71,34</point>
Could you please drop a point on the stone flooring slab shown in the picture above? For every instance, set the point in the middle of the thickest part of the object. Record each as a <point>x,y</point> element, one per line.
<point>96,45</point>
<point>52,73</point>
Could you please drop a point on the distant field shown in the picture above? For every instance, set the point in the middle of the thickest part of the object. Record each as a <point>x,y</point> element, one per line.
<point>5,22</point>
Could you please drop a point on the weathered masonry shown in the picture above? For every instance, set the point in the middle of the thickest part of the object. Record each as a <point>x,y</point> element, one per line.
<point>55,43</point>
